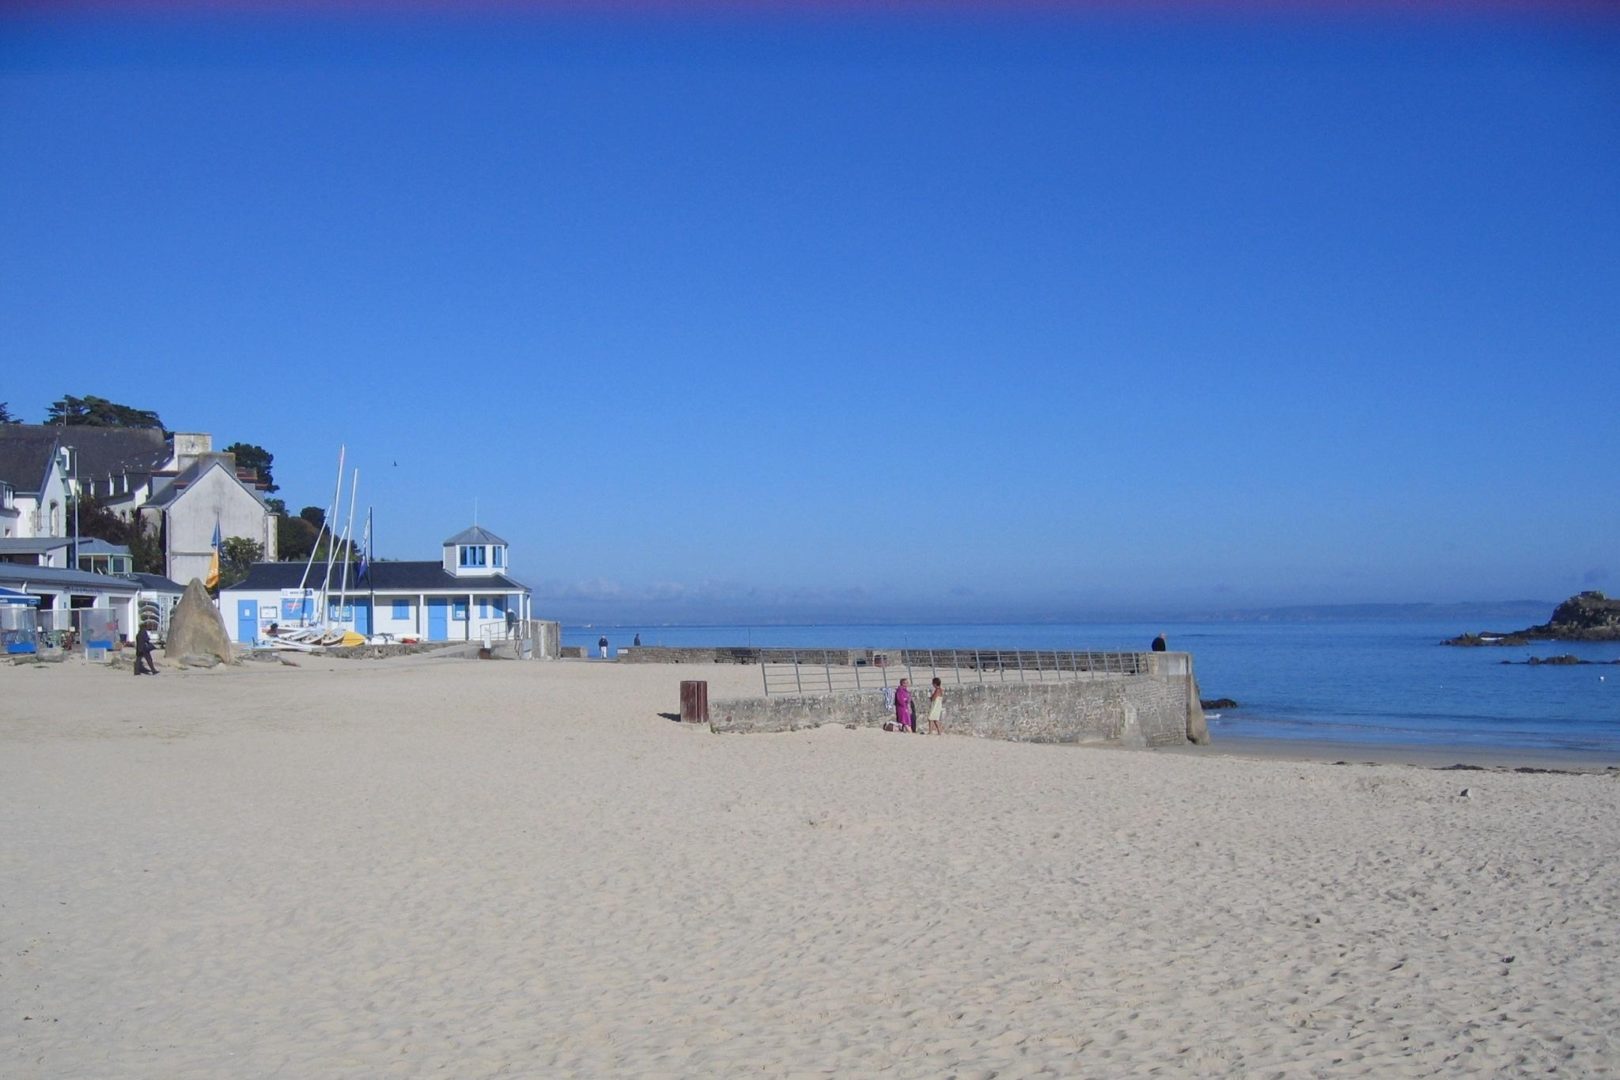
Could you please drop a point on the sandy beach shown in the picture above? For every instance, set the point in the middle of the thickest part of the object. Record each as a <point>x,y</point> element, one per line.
<point>422,866</point>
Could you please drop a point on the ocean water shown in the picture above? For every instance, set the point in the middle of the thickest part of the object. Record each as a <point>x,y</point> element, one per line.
<point>1364,682</point>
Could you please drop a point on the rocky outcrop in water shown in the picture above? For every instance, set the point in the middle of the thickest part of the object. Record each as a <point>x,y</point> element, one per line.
<point>1590,616</point>
<point>1567,660</point>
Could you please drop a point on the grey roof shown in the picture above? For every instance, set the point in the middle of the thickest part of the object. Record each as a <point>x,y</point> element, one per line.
<point>155,583</point>
<point>12,574</point>
<point>32,545</point>
<point>100,450</point>
<point>390,577</point>
<point>26,451</point>
<point>115,450</point>
<point>95,545</point>
<point>475,534</point>
<point>190,475</point>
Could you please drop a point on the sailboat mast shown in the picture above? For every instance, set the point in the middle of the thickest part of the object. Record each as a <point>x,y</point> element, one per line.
<point>348,532</point>
<point>324,530</point>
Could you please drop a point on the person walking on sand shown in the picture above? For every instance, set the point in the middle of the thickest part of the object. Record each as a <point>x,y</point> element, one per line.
<point>143,653</point>
<point>902,704</point>
<point>602,646</point>
<point>936,708</point>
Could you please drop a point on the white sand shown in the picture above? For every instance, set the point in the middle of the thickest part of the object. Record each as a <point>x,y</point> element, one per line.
<point>428,867</point>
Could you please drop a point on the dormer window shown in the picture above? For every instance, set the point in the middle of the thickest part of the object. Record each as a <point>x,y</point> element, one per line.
<point>475,552</point>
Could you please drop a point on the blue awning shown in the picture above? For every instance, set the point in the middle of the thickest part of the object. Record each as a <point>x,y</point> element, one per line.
<point>11,596</point>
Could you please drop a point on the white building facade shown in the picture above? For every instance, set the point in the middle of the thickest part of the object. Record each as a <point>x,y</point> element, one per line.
<point>467,595</point>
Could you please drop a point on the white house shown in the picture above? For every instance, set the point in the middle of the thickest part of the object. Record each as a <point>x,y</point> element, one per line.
<point>37,483</point>
<point>205,495</point>
<point>461,597</point>
<point>33,482</point>
<point>177,483</point>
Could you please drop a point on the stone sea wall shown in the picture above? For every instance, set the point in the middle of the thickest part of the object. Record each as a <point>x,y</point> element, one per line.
<point>1126,710</point>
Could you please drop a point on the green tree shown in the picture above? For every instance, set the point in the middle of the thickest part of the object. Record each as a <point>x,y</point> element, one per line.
<point>257,458</point>
<point>145,548</point>
<point>92,411</point>
<point>295,539</point>
<point>5,414</point>
<point>96,521</point>
<point>237,554</point>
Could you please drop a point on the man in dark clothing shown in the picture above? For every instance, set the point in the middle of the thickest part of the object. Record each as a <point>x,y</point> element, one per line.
<point>1159,644</point>
<point>143,653</point>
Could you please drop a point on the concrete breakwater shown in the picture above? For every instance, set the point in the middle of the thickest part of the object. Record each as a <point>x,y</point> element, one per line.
<point>1156,704</point>
<point>744,654</point>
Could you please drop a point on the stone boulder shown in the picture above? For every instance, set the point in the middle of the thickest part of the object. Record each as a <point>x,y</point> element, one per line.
<point>196,627</point>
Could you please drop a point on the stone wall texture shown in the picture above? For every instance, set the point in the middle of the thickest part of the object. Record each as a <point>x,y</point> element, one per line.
<point>1126,710</point>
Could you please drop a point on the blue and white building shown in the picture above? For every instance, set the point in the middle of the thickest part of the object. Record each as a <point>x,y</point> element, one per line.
<point>465,596</point>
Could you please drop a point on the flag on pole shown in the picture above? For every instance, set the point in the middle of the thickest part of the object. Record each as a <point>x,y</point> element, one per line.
<point>365,552</point>
<point>213,563</point>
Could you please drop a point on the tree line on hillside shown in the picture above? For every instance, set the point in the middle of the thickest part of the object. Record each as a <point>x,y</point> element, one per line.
<point>298,537</point>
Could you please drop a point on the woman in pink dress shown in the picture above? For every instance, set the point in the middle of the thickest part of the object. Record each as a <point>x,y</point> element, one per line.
<point>902,706</point>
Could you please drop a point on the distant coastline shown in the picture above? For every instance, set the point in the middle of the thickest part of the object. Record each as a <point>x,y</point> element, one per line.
<point>1476,611</point>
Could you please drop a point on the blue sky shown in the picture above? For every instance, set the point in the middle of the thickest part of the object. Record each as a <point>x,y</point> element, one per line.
<point>798,314</point>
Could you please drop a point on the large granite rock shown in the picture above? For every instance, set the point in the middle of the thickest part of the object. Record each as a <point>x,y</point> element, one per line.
<point>1590,616</point>
<point>196,627</point>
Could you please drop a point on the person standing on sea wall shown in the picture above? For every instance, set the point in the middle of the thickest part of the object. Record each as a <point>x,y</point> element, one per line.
<point>1159,644</point>
<point>936,708</point>
<point>902,706</point>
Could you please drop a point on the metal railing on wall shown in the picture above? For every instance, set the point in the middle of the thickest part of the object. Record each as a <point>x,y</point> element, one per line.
<point>823,671</point>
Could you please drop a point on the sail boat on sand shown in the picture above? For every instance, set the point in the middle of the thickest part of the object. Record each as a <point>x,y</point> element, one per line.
<point>315,628</point>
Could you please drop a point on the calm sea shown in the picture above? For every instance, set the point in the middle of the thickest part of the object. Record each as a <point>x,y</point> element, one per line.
<point>1368,682</point>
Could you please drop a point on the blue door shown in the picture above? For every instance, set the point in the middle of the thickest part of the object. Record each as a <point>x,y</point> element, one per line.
<point>438,618</point>
<point>247,621</point>
<point>362,617</point>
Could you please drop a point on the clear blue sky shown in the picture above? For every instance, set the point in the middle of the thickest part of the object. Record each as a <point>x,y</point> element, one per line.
<point>814,314</point>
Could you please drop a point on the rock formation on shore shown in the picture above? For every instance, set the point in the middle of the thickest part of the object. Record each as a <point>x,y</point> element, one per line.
<point>196,629</point>
<point>1590,616</point>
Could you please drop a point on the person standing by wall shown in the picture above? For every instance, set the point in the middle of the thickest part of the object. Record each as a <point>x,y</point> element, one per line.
<point>936,708</point>
<point>602,646</point>
<point>1159,644</point>
<point>902,705</point>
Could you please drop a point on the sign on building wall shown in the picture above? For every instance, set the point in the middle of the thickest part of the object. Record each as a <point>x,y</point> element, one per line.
<point>297,605</point>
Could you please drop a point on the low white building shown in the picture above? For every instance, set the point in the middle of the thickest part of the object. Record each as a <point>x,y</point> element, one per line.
<point>464,596</point>
<point>63,594</point>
